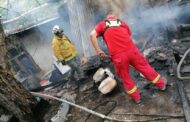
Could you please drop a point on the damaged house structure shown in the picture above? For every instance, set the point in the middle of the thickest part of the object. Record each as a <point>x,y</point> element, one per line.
<point>160,29</point>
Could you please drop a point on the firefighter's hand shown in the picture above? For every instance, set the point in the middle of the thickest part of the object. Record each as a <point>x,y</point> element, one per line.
<point>101,54</point>
<point>63,62</point>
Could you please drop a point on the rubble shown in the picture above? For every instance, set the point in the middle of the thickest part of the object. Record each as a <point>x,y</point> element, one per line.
<point>93,63</point>
<point>70,96</point>
<point>87,86</point>
<point>61,115</point>
<point>60,94</point>
<point>181,45</point>
<point>185,69</point>
<point>5,116</point>
<point>163,57</point>
<point>32,82</point>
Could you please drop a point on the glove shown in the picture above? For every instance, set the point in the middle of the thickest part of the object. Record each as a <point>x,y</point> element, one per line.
<point>63,62</point>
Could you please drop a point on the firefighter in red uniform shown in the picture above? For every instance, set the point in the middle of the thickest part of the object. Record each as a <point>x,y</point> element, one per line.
<point>124,53</point>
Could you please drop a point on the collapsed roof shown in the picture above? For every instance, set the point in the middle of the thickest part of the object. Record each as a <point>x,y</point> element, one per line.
<point>22,15</point>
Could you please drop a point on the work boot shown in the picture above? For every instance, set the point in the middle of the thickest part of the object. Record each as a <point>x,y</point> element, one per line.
<point>72,84</point>
<point>165,84</point>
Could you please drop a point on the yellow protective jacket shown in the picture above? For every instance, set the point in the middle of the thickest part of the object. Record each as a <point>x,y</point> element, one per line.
<point>63,49</point>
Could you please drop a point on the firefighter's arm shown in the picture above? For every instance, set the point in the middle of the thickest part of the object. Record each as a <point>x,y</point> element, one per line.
<point>93,38</point>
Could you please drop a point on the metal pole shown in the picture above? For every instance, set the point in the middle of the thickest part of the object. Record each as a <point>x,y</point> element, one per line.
<point>93,112</point>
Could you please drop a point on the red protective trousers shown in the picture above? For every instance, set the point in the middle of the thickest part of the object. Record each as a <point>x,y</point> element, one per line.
<point>133,57</point>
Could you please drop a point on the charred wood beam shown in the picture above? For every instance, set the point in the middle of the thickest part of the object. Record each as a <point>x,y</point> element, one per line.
<point>185,26</point>
<point>184,100</point>
<point>13,96</point>
<point>13,108</point>
<point>183,29</point>
<point>177,57</point>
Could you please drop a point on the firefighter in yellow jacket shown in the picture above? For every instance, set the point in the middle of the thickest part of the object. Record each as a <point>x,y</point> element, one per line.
<point>66,53</point>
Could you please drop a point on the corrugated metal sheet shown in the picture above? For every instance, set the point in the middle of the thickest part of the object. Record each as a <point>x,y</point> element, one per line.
<point>81,20</point>
<point>31,17</point>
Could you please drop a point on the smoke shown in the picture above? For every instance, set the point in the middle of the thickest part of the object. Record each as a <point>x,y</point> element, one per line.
<point>118,6</point>
<point>145,19</point>
<point>153,20</point>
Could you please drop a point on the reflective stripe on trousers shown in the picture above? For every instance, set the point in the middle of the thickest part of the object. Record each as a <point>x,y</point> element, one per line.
<point>156,79</point>
<point>133,57</point>
<point>132,90</point>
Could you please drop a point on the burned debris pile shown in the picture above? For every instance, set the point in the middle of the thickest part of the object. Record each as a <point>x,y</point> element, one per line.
<point>164,57</point>
<point>180,47</point>
<point>161,58</point>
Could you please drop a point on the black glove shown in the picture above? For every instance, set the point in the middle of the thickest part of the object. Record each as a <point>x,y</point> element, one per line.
<point>63,62</point>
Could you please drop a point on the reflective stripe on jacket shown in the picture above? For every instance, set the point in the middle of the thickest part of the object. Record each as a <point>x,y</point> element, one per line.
<point>63,49</point>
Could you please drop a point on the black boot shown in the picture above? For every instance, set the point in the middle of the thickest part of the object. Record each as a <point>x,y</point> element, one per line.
<point>72,83</point>
<point>82,80</point>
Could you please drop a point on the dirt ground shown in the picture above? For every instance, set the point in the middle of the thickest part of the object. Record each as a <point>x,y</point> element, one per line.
<point>162,106</point>
<point>117,103</point>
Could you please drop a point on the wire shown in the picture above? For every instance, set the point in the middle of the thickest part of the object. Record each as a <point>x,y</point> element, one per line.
<point>101,104</point>
<point>155,115</point>
<point>179,66</point>
<point>91,111</point>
